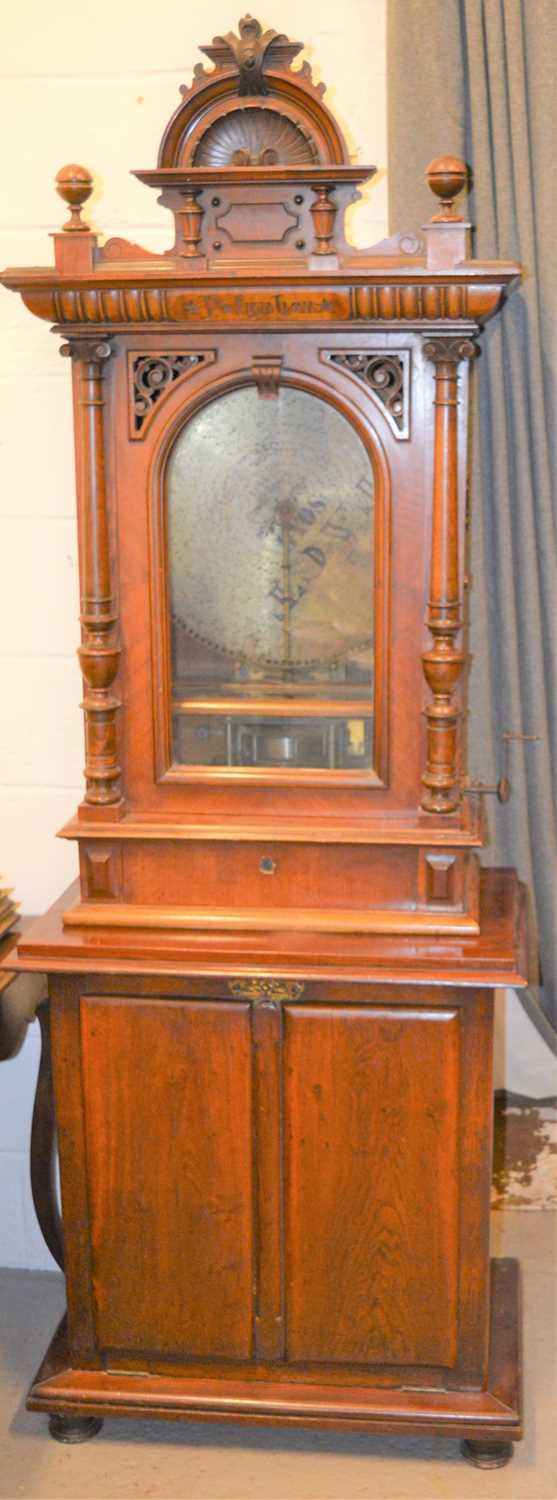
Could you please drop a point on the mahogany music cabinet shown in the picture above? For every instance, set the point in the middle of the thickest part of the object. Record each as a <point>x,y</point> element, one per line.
<point>271,992</point>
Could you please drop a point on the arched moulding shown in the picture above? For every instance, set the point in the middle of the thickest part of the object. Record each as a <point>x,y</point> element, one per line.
<point>254,68</point>
<point>385,373</point>
<point>152,376</point>
<point>303,106</point>
<point>216,386</point>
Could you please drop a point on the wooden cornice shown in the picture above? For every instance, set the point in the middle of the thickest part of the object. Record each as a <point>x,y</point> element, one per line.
<point>181,177</point>
<point>159,292</point>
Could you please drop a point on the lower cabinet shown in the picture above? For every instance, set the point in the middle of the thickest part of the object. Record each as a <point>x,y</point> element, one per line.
<point>293,1182</point>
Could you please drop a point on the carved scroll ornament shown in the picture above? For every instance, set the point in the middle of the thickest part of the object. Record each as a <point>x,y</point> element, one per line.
<point>153,375</point>
<point>385,374</point>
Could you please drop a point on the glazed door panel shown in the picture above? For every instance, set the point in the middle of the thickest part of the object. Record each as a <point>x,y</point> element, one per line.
<point>371,1184</point>
<point>189,660</point>
<point>167,1117</point>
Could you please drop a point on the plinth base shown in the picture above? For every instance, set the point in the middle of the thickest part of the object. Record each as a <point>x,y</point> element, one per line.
<point>490,1420</point>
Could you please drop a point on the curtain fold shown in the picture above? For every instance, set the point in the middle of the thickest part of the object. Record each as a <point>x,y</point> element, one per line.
<point>478,78</point>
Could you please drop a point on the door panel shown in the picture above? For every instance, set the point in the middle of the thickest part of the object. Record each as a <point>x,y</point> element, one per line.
<point>167,1104</point>
<point>371,1184</point>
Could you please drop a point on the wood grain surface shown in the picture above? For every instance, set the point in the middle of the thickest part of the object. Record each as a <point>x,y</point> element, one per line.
<point>167,1111</point>
<point>371,1123</point>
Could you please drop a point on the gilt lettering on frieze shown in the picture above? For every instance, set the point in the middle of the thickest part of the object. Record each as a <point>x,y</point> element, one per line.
<point>263,307</point>
<point>172,305</point>
<point>152,376</point>
<point>379,303</point>
<point>386,375</point>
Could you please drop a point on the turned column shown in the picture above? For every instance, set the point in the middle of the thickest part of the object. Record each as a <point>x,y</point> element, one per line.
<point>99,651</point>
<point>191,221</point>
<point>443,661</point>
<point>323,212</point>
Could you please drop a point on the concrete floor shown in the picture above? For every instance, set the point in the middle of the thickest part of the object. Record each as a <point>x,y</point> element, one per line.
<point>137,1461</point>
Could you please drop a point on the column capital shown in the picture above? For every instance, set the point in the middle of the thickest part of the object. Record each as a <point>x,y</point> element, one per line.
<point>448,349</point>
<point>89,350</point>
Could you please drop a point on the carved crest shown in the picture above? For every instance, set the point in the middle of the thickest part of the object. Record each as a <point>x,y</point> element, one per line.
<point>250,52</point>
<point>252,74</point>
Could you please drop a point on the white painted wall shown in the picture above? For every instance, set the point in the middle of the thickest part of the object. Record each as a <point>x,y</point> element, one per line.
<point>96,86</point>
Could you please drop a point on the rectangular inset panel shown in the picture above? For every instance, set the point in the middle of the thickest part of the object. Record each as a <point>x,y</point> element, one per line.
<point>266,222</point>
<point>167,1098</point>
<point>371,1156</point>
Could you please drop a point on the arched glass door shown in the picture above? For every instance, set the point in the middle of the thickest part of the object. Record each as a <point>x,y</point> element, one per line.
<point>270,556</point>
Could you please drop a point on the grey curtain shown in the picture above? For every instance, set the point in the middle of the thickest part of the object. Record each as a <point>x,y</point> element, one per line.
<point>478,79</point>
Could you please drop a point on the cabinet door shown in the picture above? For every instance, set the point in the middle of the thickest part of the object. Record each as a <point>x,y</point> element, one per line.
<point>302,1183</point>
<point>373,1185</point>
<point>167,1123</point>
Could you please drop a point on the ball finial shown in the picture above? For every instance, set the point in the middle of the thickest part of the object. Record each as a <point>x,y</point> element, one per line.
<point>446,177</point>
<point>74,184</point>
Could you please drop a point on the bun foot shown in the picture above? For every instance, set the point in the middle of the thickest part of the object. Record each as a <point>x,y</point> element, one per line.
<point>485,1455</point>
<point>74,1429</point>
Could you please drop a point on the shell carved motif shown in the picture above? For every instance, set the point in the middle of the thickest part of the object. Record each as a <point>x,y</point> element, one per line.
<point>254,137</point>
